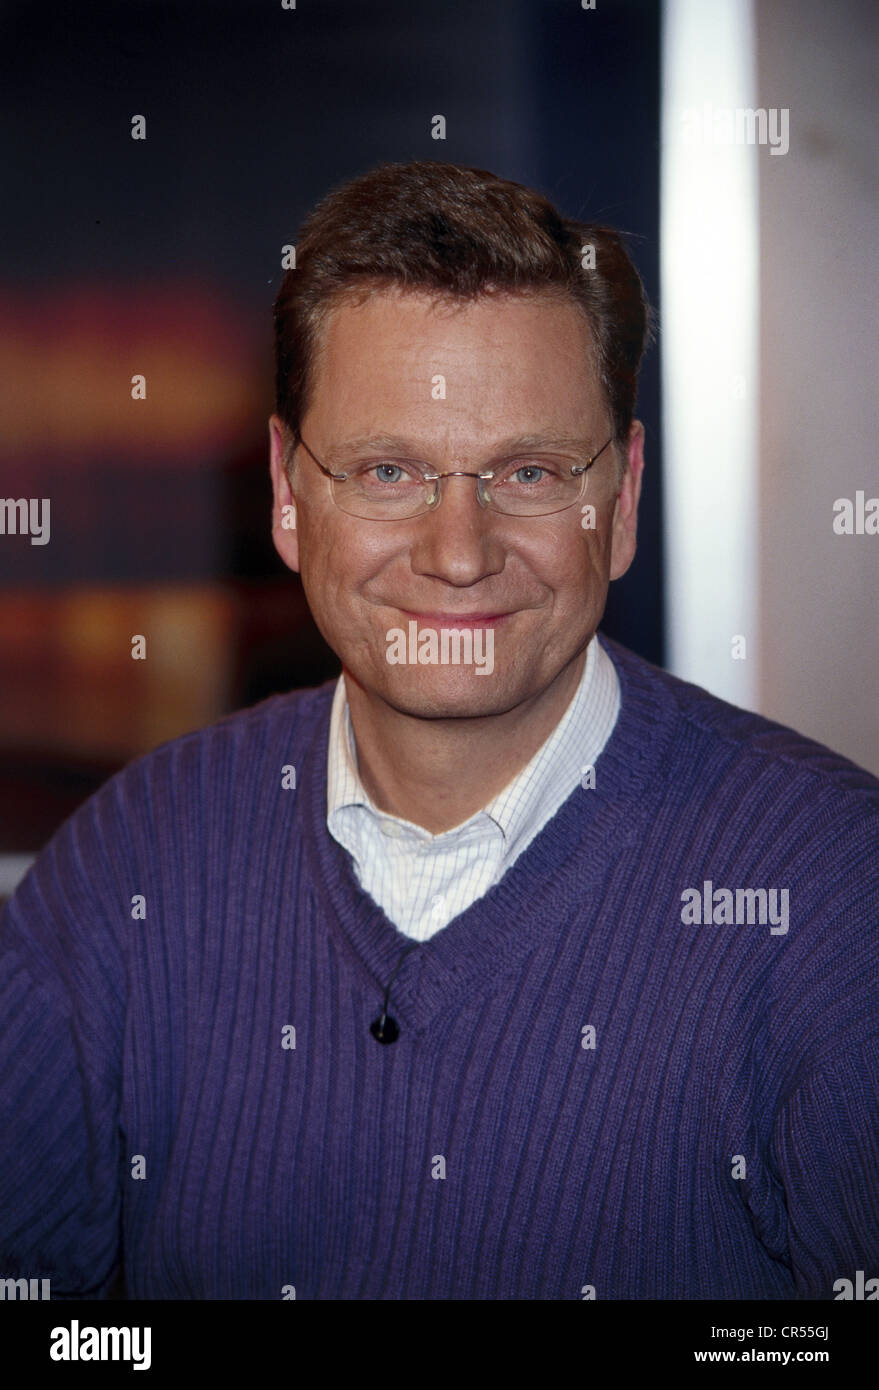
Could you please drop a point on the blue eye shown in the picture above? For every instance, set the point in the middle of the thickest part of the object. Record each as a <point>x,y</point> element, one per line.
<point>385,474</point>
<point>530,476</point>
<point>388,467</point>
<point>529,468</point>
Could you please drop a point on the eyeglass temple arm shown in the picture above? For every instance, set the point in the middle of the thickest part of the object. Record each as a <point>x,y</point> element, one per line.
<point>297,439</point>
<point>579,468</point>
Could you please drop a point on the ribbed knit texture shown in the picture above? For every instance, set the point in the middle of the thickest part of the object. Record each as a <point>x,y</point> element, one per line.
<point>564,1167</point>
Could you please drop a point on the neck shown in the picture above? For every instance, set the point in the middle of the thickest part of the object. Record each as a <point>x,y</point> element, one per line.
<point>438,773</point>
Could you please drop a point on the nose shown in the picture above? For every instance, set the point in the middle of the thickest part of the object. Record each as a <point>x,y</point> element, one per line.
<point>459,541</point>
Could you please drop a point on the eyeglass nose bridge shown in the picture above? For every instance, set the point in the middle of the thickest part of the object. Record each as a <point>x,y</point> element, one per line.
<point>481,495</point>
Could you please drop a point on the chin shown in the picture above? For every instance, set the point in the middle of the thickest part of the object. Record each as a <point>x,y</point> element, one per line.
<point>449,695</point>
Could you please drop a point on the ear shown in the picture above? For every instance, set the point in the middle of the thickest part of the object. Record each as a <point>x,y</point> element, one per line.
<point>284,533</point>
<point>625,512</point>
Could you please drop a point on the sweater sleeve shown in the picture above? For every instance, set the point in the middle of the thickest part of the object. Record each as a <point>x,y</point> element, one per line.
<point>62,1009</point>
<point>827,1149</point>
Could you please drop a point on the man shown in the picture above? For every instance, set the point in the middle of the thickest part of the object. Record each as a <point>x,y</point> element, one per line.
<point>507,966</point>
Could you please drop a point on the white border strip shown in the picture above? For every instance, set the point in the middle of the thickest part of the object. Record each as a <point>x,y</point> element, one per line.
<point>709,330</point>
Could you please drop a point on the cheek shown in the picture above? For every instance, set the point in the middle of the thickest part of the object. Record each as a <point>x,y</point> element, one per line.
<point>337,562</point>
<point>571,555</point>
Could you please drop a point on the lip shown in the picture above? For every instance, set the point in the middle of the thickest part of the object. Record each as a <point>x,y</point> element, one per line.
<point>458,619</point>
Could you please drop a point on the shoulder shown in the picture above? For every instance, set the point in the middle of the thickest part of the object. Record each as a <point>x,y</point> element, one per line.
<point>754,796</point>
<point>166,815</point>
<point>194,784</point>
<point>714,736</point>
<point>740,804</point>
<point>285,721</point>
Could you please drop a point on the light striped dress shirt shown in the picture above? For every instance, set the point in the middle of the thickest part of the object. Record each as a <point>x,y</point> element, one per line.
<point>422,880</point>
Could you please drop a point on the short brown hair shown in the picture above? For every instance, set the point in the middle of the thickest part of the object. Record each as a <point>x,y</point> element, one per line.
<point>459,233</point>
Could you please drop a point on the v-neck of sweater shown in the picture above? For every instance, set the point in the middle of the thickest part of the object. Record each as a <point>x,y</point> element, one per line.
<point>502,927</point>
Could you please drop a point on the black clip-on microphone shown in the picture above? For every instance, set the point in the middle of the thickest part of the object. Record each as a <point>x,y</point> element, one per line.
<point>384,1028</point>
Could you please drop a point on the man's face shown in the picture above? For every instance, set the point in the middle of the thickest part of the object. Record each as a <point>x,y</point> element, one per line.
<point>512,367</point>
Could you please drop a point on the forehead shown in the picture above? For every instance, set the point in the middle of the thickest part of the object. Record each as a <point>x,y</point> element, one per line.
<point>523,356</point>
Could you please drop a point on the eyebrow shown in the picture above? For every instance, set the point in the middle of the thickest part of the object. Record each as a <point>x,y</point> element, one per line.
<point>394,445</point>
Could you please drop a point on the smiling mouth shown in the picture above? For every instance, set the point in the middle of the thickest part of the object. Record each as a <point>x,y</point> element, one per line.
<point>460,620</point>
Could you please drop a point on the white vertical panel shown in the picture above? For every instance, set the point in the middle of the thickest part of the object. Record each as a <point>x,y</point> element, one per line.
<point>709,334</point>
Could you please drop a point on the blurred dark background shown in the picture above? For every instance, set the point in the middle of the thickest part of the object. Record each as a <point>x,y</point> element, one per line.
<point>162,257</point>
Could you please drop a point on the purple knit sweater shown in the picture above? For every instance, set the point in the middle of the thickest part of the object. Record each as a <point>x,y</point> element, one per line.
<point>592,1093</point>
